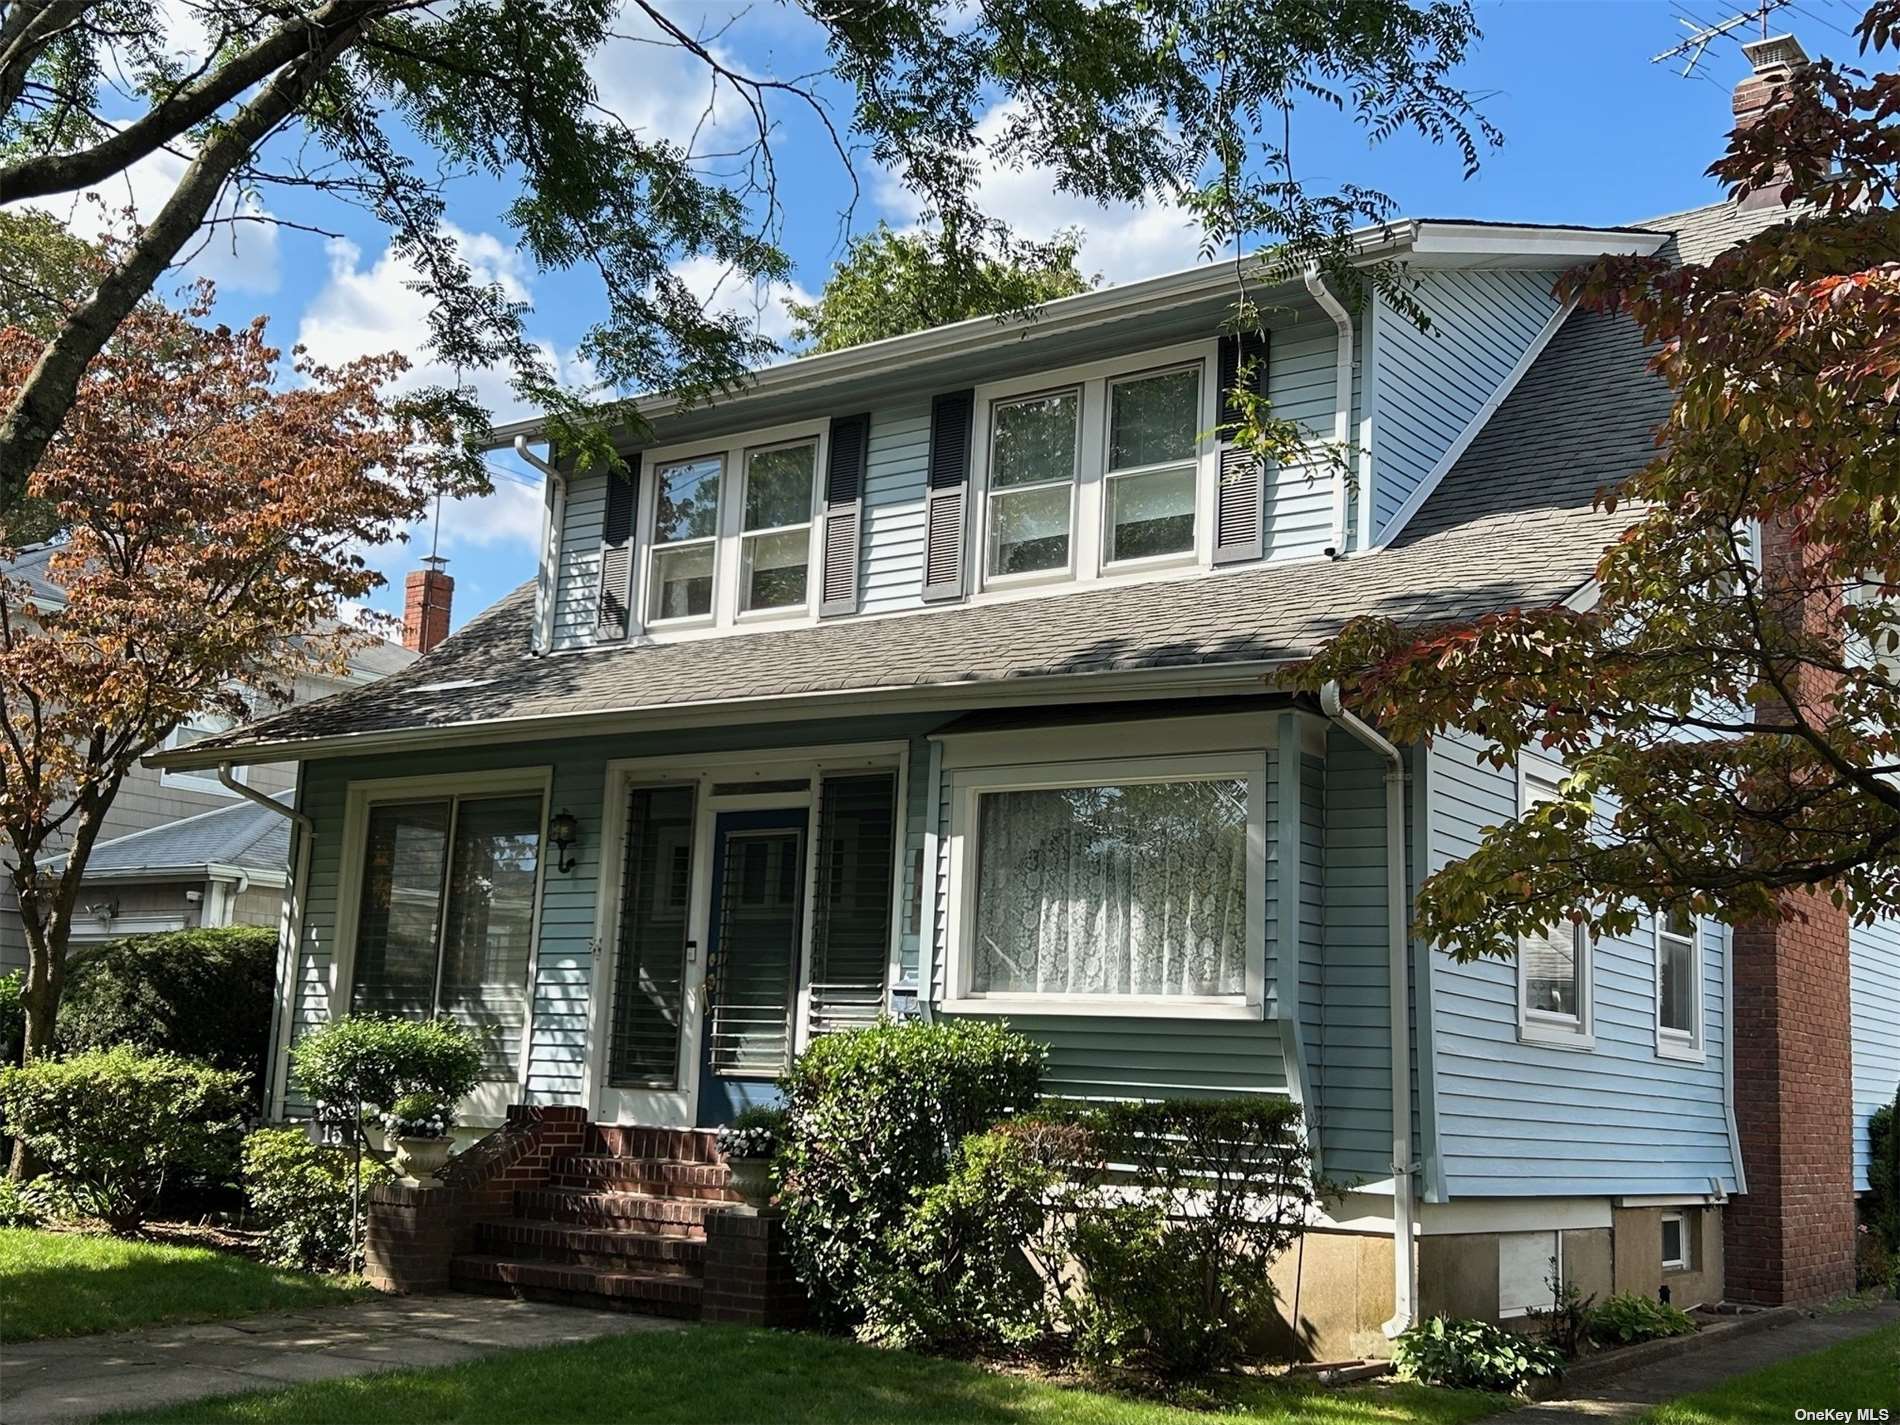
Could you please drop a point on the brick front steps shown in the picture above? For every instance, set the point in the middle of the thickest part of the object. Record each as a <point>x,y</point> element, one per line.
<point>552,1207</point>
<point>621,1223</point>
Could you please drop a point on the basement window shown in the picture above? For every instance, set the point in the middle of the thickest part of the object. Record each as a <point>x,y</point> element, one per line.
<point>1675,1242</point>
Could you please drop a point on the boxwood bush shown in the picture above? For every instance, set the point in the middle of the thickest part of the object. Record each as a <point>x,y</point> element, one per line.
<point>299,1193</point>
<point>112,1125</point>
<point>202,994</point>
<point>874,1119</point>
<point>368,1059</point>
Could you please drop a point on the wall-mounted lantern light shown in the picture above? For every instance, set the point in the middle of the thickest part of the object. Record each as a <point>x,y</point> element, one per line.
<point>564,831</point>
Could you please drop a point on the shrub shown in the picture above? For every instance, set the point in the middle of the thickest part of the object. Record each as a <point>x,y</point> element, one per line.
<point>1874,1265</point>
<point>368,1059</point>
<point>874,1118</point>
<point>1177,1281</point>
<point>202,994</point>
<point>299,1191</point>
<point>755,1132</point>
<point>12,1016</point>
<point>1473,1355</point>
<point>1628,1317</point>
<point>25,1204</point>
<point>112,1124</point>
<point>981,1262</point>
<point>1883,1175</point>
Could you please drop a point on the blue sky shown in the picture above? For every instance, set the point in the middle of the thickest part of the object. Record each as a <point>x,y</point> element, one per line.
<point>1594,133</point>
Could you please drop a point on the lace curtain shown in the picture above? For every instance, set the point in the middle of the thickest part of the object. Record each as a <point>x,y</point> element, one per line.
<point>1112,890</point>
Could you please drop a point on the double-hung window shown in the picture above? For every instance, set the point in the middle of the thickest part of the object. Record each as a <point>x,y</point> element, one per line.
<point>1678,985</point>
<point>775,546</point>
<point>1152,477</point>
<point>1032,483</point>
<point>1127,887</point>
<point>1553,964</point>
<point>685,539</point>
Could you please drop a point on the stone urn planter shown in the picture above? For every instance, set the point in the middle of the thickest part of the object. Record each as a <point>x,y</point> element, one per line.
<point>752,1180</point>
<point>420,1159</point>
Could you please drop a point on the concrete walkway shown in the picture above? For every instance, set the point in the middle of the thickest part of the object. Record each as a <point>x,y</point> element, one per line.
<point>83,1376</point>
<point>1627,1397</point>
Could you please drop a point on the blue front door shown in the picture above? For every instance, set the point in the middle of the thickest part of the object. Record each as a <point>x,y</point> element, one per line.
<point>754,954</point>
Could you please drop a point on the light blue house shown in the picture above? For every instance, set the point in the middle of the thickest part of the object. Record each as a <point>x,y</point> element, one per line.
<point>939,677</point>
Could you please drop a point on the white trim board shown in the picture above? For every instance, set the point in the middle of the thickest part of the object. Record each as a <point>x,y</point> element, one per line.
<point>1425,488</point>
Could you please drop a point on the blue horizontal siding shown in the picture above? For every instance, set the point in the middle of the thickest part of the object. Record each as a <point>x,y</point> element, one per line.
<point>1521,1119</point>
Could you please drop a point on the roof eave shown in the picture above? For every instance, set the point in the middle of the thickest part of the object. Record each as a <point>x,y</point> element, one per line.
<point>1126,683</point>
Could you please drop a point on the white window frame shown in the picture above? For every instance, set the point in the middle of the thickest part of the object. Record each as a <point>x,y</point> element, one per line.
<point>992,494</point>
<point>655,547</point>
<point>488,1105</point>
<point>1676,1043</point>
<point>205,782</point>
<point>1088,540</point>
<point>1681,1219</point>
<point>967,784</point>
<point>731,450</point>
<point>1110,477</point>
<point>810,525</point>
<point>1538,780</point>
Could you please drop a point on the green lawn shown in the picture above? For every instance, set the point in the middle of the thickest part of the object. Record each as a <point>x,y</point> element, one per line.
<point>73,1284</point>
<point>1862,1374</point>
<point>720,1374</point>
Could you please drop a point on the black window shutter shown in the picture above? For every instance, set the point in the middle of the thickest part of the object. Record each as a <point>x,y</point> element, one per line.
<point>847,452</point>
<point>1240,508</point>
<point>946,501</point>
<point>613,617</point>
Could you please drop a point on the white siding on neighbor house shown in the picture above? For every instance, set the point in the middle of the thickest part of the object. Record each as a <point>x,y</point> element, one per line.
<point>1875,984</point>
<point>1429,385</point>
<point>1524,1119</point>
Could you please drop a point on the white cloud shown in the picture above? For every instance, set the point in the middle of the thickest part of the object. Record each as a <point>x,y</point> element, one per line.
<point>720,289</point>
<point>237,247</point>
<point>1121,241</point>
<point>657,87</point>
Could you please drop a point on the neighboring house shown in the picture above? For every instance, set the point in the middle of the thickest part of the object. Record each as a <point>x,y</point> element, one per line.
<point>180,849</point>
<point>938,677</point>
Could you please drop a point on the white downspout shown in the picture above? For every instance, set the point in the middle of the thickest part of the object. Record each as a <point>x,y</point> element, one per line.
<point>1342,400</point>
<point>1398,975</point>
<point>290,932</point>
<point>553,517</point>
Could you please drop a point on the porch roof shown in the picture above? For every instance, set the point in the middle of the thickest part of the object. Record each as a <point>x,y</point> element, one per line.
<point>1512,524</point>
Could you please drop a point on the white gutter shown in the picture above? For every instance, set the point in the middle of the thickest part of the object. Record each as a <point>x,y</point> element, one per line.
<point>553,517</point>
<point>270,804</point>
<point>1398,976</point>
<point>1342,400</point>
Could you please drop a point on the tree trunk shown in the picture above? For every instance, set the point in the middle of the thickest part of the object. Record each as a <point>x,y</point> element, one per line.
<point>45,980</point>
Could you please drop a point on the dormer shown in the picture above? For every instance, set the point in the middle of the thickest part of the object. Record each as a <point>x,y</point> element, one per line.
<point>1027,457</point>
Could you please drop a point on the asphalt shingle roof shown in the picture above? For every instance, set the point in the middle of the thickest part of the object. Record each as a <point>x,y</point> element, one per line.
<point>243,835</point>
<point>1512,524</point>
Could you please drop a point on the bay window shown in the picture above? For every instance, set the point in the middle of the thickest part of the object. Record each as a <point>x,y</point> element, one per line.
<point>1032,483</point>
<point>1154,423</point>
<point>1126,887</point>
<point>1678,985</point>
<point>775,542</point>
<point>685,539</point>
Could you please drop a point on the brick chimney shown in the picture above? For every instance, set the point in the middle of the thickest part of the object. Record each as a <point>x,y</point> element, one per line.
<point>425,615</point>
<point>1774,59</point>
<point>1790,1237</point>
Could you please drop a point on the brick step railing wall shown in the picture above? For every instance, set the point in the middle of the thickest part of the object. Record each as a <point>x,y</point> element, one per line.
<point>552,1207</point>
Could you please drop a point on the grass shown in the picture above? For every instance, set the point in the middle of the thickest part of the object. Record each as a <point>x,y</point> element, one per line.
<point>715,1373</point>
<point>1862,1374</point>
<point>73,1284</point>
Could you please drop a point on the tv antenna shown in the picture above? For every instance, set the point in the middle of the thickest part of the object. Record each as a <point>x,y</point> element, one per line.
<point>1701,36</point>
